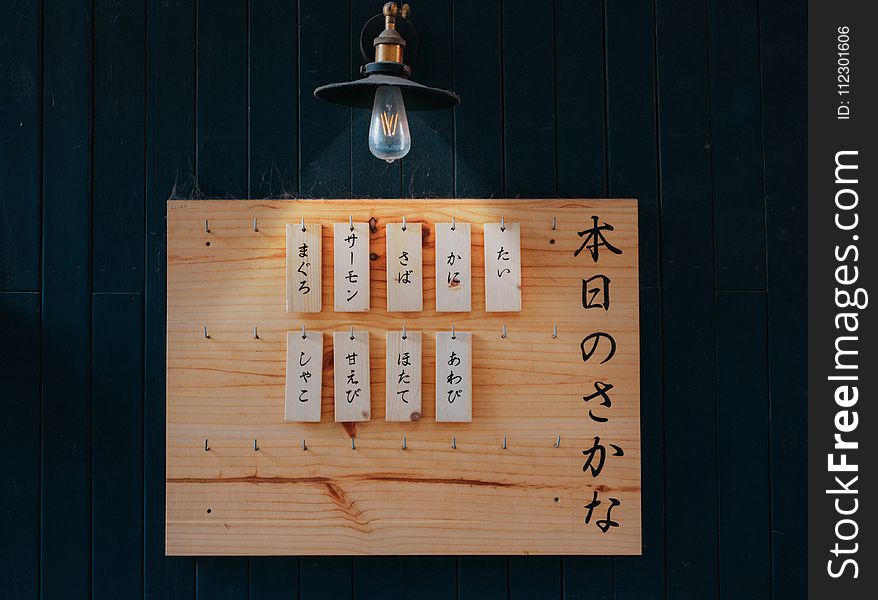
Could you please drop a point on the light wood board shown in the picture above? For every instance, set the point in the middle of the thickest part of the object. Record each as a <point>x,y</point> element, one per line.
<point>378,498</point>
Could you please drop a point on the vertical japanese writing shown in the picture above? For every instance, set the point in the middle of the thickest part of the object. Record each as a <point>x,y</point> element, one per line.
<point>598,348</point>
<point>453,376</point>
<point>351,267</point>
<point>453,267</point>
<point>304,376</point>
<point>502,267</point>
<point>404,267</point>
<point>351,373</point>
<point>403,376</point>
<point>304,265</point>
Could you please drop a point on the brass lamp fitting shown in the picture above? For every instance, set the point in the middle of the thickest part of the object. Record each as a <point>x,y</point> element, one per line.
<point>389,45</point>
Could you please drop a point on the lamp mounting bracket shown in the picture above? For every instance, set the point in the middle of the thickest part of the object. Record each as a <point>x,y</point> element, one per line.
<point>373,28</point>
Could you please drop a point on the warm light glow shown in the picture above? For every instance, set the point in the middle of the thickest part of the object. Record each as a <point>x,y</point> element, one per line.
<point>389,137</point>
<point>389,122</point>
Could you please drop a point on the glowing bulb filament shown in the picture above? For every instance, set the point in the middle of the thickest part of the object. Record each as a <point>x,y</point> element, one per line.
<point>389,122</point>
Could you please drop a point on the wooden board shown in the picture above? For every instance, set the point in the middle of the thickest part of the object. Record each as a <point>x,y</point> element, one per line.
<point>371,496</point>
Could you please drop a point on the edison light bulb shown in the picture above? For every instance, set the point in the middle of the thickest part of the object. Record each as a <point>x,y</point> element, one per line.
<point>389,137</point>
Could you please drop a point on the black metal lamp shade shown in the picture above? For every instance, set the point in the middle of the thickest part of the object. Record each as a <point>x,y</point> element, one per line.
<point>388,35</point>
<point>361,93</point>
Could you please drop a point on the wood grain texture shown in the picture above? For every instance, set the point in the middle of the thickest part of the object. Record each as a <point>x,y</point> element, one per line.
<point>499,142</point>
<point>404,375</point>
<point>304,376</point>
<point>352,392</point>
<point>304,268</point>
<point>351,271</point>
<point>405,269</point>
<point>502,267</point>
<point>454,377</point>
<point>454,275</point>
<point>379,499</point>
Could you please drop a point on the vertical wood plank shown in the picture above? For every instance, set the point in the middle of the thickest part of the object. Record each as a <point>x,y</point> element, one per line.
<point>222,99</point>
<point>304,268</point>
<point>742,372</point>
<point>529,100</point>
<point>117,446</point>
<point>431,577</point>
<point>20,429</point>
<point>478,124</point>
<point>688,297</point>
<point>588,577</point>
<point>632,169</point>
<point>405,268</point>
<point>644,576</point>
<point>454,377</point>
<point>783,41</point>
<point>502,267</point>
<point>350,267</point>
<point>404,375</point>
<point>453,263</point>
<point>119,134</point>
<point>273,99</point>
<point>632,150</point>
<point>304,376</point>
<point>481,577</point>
<point>378,578</point>
<point>222,577</point>
<point>20,142</point>
<point>273,577</point>
<point>534,577</point>
<point>428,170</point>
<point>326,577</point>
<point>579,98</point>
<point>66,310</point>
<point>736,143</point>
<point>350,352</point>
<point>324,129</point>
<point>170,168</point>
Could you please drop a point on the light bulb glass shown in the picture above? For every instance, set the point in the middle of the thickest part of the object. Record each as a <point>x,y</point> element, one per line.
<point>389,137</point>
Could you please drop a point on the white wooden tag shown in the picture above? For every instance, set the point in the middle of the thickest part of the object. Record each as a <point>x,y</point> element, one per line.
<point>502,267</point>
<point>304,268</point>
<point>403,376</point>
<point>304,376</point>
<point>405,288</point>
<point>351,366</point>
<point>454,385</point>
<point>453,267</point>
<point>351,267</point>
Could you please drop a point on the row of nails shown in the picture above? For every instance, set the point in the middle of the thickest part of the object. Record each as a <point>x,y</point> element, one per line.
<point>404,444</point>
<point>304,336</point>
<point>351,222</point>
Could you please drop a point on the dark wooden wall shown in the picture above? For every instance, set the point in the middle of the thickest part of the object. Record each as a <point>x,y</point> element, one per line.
<point>110,107</point>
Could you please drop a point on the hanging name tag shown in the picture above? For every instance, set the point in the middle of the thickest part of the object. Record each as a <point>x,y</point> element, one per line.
<point>454,385</point>
<point>404,268</point>
<point>304,376</point>
<point>403,376</point>
<point>304,268</point>
<point>351,362</point>
<point>502,267</point>
<point>453,267</point>
<point>351,267</point>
